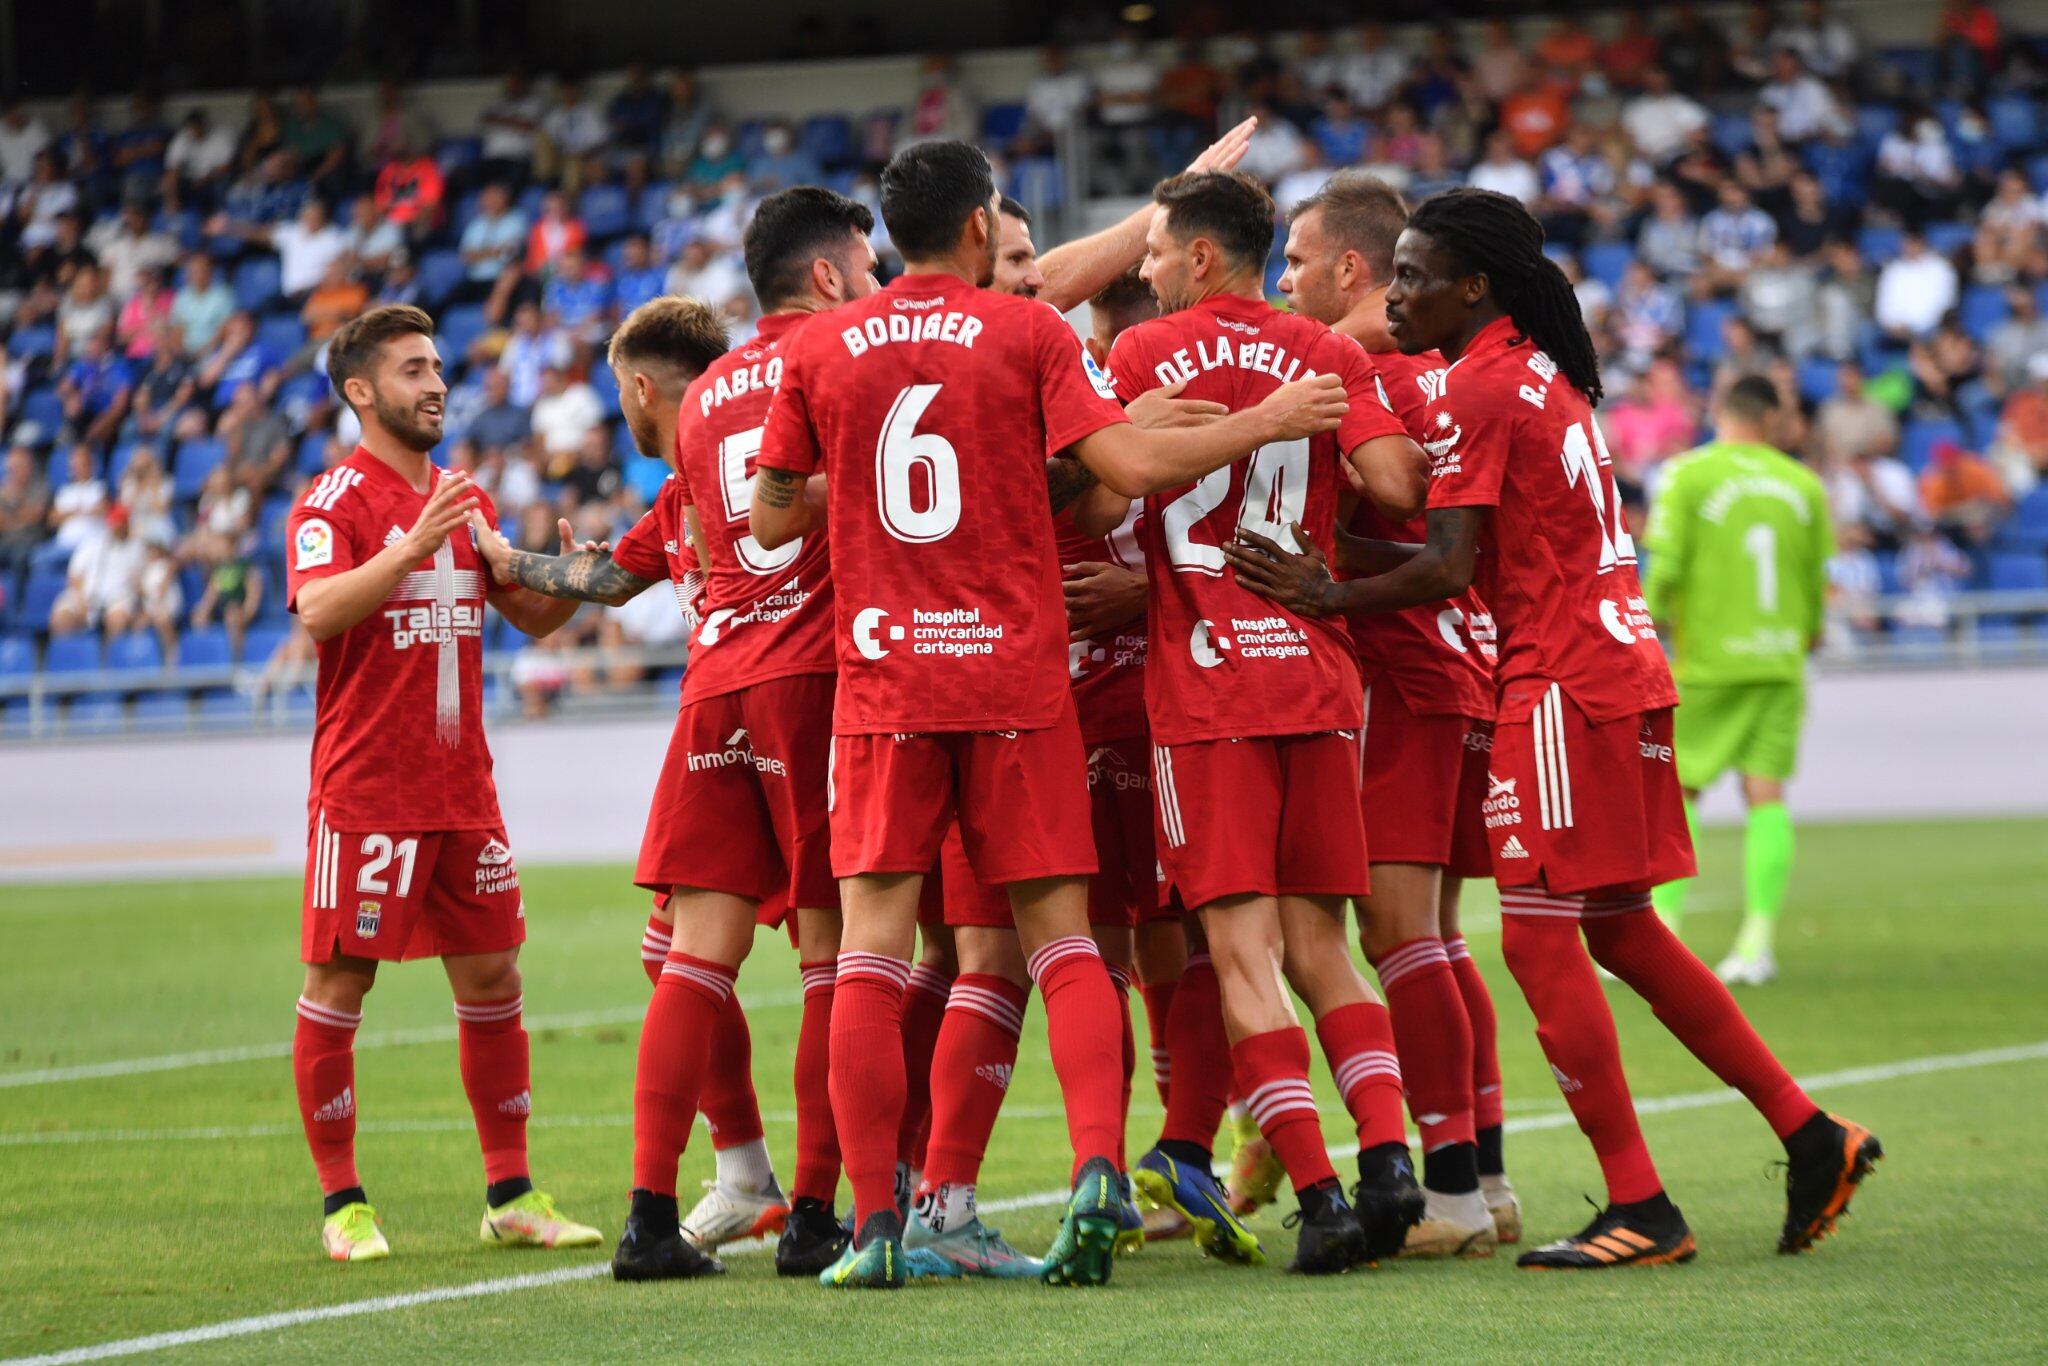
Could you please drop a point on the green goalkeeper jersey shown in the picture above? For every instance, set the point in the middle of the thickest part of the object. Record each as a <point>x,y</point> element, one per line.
<point>1739,541</point>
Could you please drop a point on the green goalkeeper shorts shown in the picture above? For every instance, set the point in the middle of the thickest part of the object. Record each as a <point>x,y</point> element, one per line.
<point>1752,728</point>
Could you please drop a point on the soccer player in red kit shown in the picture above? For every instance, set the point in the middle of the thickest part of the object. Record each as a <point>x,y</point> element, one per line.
<point>1583,807</point>
<point>932,407</point>
<point>1266,707</point>
<point>1429,706</point>
<point>407,854</point>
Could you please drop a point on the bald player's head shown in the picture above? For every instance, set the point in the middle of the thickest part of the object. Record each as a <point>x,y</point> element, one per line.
<point>1340,244</point>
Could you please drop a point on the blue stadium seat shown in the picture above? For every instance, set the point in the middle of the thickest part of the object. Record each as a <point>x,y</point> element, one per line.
<point>2017,571</point>
<point>652,206</point>
<point>1703,321</point>
<point>1879,244</point>
<point>195,460</point>
<point>29,342</point>
<point>457,155</point>
<point>123,456</point>
<point>1607,262</point>
<point>1874,121</point>
<point>1731,134</point>
<point>440,275</point>
<point>1001,122</point>
<point>1918,440</point>
<point>645,475</point>
<point>2015,122</point>
<point>281,333</point>
<point>224,709</point>
<point>78,653</point>
<point>606,211</point>
<point>2028,525</point>
<point>136,652</point>
<point>256,283</point>
<point>1918,67</point>
<point>45,408</point>
<point>1949,238</point>
<point>17,656</point>
<point>161,711</point>
<point>606,385</point>
<point>38,598</point>
<point>203,647</point>
<point>749,138</point>
<point>1983,308</point>
<point>828,138</point>
<point>1817,379</point>
<point>312,456</point>
<point>458,328</point>
<point>260,642</point>
<point>94,714</point>
<point>1887,572</point>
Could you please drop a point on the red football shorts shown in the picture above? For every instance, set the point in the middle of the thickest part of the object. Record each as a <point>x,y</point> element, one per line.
<point>1270,815</point>
<point>953,895</point>
<point>1021,798</point>
<point>1573,807</point>
<point>1421,784</point>
<point>739,805</point>
<point>1125,888</point>
<point>395,895</point>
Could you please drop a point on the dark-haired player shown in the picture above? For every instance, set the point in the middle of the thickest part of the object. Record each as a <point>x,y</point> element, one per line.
<point>931,406</point>
<point>1255,718</point>
<point>1584,805</point>
<point>406,852</point>
<point>1428,715</point>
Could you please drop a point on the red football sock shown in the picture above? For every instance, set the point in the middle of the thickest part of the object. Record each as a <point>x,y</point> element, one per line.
<point>675,1054</point>
<point>1634,944</point>
<point>727,1101</point>
<point>654,944</point>
<point>1120,978</point>
<point>324,1069</point>
<point>1486,1110</point>
<point>1433,1037</point>
<point>1358,1042</point>
<point>1201,1052</point>
<point>1158,1005</point>
<point>1274,1069</point>
<point>1086,1046</point>
<point>971,1069</point>
<point>817,1141</point>
<point>867,1075</point>
<point>496,1074</point>
<point>924,1009</point>
<point>1576,1030</point>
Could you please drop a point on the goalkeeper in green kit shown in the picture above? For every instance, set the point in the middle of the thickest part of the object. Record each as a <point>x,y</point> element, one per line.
<point>1739,542</point>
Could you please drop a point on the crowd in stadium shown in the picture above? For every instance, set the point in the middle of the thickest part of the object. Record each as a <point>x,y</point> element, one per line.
<point>1867,227</point>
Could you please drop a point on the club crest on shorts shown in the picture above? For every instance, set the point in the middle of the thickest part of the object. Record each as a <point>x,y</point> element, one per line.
<point>493,855</point>
<point>369,914</point>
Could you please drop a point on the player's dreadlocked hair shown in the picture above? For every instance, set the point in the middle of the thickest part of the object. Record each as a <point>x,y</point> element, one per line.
<point>1491,234</point>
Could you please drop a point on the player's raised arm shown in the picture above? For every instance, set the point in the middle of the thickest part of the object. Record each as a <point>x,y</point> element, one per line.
<point>583,572</point>
<point>332,604</point>
<point>1134,461</point>
<point>1441,568</point>
<point>1393,472</point>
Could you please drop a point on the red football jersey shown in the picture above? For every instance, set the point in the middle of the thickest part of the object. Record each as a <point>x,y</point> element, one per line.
<point>767,614</point>
<point>1226,661</point>
<point>1438,655</point>
<point>657,547</point>
<point>1556,564</point>
<point>398,728</point>
<point>1108,672</point>
<point>932,406</point>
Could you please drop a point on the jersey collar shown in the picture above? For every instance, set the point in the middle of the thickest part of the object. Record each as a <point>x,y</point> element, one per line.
<point>937,282</point>
<point>1498,335</point>
<point>373,468</point>
<point>775,326</point>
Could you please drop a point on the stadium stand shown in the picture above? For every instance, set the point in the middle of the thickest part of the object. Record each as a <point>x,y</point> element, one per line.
<point>1866,224</point>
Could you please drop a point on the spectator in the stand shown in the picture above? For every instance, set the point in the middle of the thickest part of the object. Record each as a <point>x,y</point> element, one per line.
<point>1397,149</point>
<point>574,128</point>
<point>1825,42</point>
<point>1945,368</point>
<point>1648,314</point>
<point>718,156</point>
<point>511,131</point>
<point>565,411</point>
<point>269,193</point>
<point>201,305</point>
<point>1568,51</point>
<point>262,136</point>
<point>1536,114</point>
<point>595,477</point>
<point>22,138</point>
<point>1498,65</point>
<point>339,296</point>
<point>374,243</point>
<point>499,423</point>
<point>1695,49</point>
<point>136,326</point>
<point>234,593</point>
<point>394,128</point>
<point>704,274</point>
<point>146,493</point>
<point>198,162</point>
<point>257,440</point>
<point>1375,73</point>
<point>941,108</point>
<point>493,243</point>
<point>1768,166</point>
<point>1342,134</point>
<point>782,163</point>
<point>1504,171</point>
<point>1626,58</point>
<point>2009,230</point>
<point>529,351</point>
<point>1733,234</point>
<point>1850,423</point>
<point>640,276</point>
<point>129,248</point>
<point>1962,495</point>
<point>1971,41</point>
<point>410,189</point>
<point>47,197</point>
<point>95,389</point>
<point>103,582</point>
<point>1915,290</point>
<point>1917,176</point>
<point>304,245</point>
<point>1806,107</point>
<point>579,296</point>
<point>1661,121</point>
<point>555,234</point>
<point>2020,450</point>
<point>1275,148</point>
<point>1810,221</point>
<point>689,116</point>
<point>137,151</point>
<point>1578,188</point>
<point>1779,297</point>
<point>1304,180</point>
<point>1656,419</point>
<point>1877,493</point>
<point>637,112</point>
<point>1433,170</point>
<point>226,512</point>
<point>78,510</point>
<point>85,311</point>
<point>24,503</point>
<point>317,139</point>
<point>236,359</point>
<point>1056,99</point>
<point>1124,86</point>
<point>162,392</point>
<point>2015,341</point>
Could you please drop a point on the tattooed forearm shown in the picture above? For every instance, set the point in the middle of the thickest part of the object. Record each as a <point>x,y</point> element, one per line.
<point>1066,480</point>
<point>586,576</point>
<point>777,488</point>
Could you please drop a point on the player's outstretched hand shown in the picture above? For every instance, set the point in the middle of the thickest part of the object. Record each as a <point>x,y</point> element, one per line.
<point>1298,582</point>
<point>1101,597</point>
<point>572,546</point>
<point>1164,407</point>
<point>448,507</point>
<point>1224,153</point>
<point>1306,407</point>
<point>492,545</point>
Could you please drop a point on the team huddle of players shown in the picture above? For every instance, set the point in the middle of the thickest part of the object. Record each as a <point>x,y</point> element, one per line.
<point>1020,664</point>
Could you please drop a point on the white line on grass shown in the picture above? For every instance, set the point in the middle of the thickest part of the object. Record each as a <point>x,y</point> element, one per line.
<point>382,1304</point>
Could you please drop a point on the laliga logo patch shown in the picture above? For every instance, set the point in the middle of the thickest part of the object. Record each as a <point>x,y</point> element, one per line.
<point>1103,384</point>
<point>313,545</point>
<point>369,914</point>
<point>867,625</point>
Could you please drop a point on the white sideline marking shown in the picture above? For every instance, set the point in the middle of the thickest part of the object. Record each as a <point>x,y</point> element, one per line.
<point>207,1057</point>
<point>292,1318</point>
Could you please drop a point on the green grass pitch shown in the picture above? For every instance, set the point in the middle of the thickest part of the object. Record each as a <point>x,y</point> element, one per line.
<point>139,1198</point>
